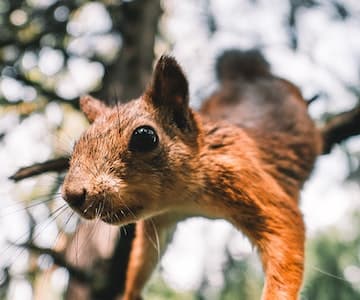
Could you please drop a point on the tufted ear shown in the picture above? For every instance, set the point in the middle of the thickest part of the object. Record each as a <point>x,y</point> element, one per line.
<point>169,90</point>
<point>92,107</point>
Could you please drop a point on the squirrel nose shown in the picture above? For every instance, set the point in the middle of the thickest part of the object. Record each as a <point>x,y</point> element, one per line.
<point>75,198</point>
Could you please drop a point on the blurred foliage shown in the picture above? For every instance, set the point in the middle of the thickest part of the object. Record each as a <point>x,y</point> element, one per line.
<point>33,30</point>
<point>333,266</point>
<point>332,272</point>
<point>159,290</point>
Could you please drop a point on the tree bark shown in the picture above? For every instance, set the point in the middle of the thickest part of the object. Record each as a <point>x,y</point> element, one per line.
<point>127,77</point>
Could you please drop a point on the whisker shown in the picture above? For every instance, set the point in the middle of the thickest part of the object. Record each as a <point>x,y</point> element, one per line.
<point>157,239</point>
<point>88,207</point>
<point>39,202</point>
<point>38,197</point>
<point>63,229</point>
<point>109,234</point>
<point>123,228</point>
<point>129,210</point>
<point>102,207</point>
<point>90,234</point>
<point>155,243</point>
<point>63,141</point>
<point>56,213</point>
<point>111,204</point>
<point>53,216</point>
<point>68,220</point>
<point>328,274</point>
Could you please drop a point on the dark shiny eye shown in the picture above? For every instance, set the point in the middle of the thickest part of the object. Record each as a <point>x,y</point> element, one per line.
<point>143,139</point>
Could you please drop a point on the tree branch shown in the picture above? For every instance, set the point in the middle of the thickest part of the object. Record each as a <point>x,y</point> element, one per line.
<point>341,127</point>
<point>59,259</point>
<point>54,165</point>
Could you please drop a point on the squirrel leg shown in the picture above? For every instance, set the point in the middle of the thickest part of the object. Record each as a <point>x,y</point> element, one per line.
<point>151,238</point>
<point>280,242</point>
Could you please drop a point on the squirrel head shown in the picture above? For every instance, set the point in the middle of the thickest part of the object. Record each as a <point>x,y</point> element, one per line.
<point>136,159</point>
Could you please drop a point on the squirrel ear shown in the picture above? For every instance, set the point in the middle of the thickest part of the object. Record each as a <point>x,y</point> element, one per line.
<point>92,107</point>
<point>169,90</point>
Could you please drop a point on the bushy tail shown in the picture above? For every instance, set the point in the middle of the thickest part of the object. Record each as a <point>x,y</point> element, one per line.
<point>234,64</point>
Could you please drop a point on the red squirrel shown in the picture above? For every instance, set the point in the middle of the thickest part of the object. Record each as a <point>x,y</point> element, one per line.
<point>243,157</point>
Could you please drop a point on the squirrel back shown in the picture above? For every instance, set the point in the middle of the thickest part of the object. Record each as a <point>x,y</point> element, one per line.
<point>271,110</point>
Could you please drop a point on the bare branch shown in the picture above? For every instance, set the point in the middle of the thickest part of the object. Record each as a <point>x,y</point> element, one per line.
<point>59,259</point>
<point>341,127</point>
<point>54,165</point>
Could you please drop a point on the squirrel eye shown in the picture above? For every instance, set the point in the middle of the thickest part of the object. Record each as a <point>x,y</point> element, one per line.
<point>143,139</point>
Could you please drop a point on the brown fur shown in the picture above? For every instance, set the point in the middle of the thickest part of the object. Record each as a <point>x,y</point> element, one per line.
<point>243,158</point>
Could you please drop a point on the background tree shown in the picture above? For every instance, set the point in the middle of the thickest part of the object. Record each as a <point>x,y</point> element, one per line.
<point>52,51</point>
